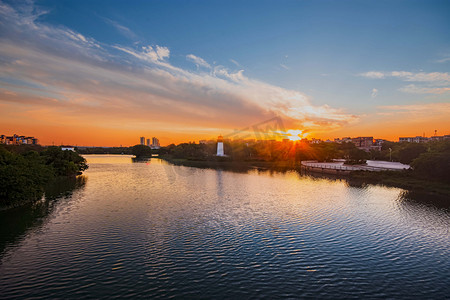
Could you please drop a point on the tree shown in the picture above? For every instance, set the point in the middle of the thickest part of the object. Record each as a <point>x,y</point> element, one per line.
<point>433,165</point>
<point>64,163</point>
<point>410,152</point>
<point>141,151</point>
<point>23,177</point>
<point>24,172</point>
<point>356,157</point>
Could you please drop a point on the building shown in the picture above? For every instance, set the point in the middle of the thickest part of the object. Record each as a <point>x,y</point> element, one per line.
<point>67,148</point>
<point>440,138</point>
<point>417,139</point>
<point>18,140</point>
<point>148,142</point>
<point>155,143</point>
<point>380,142</point>
<point>363,142</point>
<point>142,140</point>
<point>220,146</point>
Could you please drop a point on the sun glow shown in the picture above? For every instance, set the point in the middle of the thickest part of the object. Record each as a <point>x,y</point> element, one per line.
<point>295,134</point>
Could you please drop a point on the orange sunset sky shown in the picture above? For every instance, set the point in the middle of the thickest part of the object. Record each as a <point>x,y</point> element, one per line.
<point>152,71</point>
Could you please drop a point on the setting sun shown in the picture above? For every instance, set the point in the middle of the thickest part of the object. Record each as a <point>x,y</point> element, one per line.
<point>224,149</point>
<point>295,134</point>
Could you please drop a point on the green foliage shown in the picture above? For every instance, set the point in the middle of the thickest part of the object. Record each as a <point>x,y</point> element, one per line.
<point>272,151</point>
<point>356,157</point>
<point>22,177</point>
<point>24,174</point>
<point>141,151</point>
<point>104,150</point>
<point>433,165</point>
<point>425,157</point>
<point>64,163</point>
<point>410,152</point>
<point>191,151</point>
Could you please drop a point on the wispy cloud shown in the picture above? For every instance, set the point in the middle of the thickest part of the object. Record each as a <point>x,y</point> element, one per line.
<point>374,93</point>
<point>444,59</point>
<point>200,62</point>
<point>72,77</point>
<point>426,83</point>
<point>373,74</point>
<point>425,108</point>
<point>125,31</point>
<point>413,89</point>
<point>156,54</point>
<point>284,67</point>
<point>436,77</point>
<point>235,62</point>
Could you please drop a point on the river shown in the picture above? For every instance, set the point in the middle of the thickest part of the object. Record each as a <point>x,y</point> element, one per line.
<point>154,230</point>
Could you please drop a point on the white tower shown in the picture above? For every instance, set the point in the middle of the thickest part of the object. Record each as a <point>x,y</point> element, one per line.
<point>220,146</point>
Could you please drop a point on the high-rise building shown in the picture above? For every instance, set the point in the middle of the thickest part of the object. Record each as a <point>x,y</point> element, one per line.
<point>148,142</point>
<point>142,140</point>
<point>155,143</point>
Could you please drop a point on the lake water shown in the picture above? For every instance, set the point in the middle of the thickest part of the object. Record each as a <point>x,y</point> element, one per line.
<point>153,230</point>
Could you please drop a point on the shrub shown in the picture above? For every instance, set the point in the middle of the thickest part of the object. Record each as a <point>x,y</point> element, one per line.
<point>433,165</point>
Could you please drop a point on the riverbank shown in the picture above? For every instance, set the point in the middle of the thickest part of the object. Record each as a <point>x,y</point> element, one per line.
<point>264,234</point>
<point>405,179</point>
<point>25,173</point>
<point>232,165</point>
<point>402,179</point>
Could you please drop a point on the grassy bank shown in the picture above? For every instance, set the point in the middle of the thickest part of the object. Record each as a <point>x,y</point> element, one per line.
<point>225,163</point>
<point>407,180</point>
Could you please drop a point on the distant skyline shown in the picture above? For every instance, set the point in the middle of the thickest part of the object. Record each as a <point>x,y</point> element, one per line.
<point>107,72</point>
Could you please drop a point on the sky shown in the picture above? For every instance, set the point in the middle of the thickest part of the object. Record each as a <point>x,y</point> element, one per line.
<point>104,73</point>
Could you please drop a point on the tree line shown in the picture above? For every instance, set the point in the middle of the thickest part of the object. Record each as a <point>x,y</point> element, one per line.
<point>428,160</point>
<point>26,170</point>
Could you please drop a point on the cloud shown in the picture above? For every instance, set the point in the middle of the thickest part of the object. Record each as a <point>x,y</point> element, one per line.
<point>374,93</point>
<point>444,60</point>
<point>435,77</point>
<point>413,89</point>
<point>68,77</point>
<point>125,31</point>
<point>426,108</point>
<point>152,54</point>
<point>373,74</point>
<point>429,83</point>
<point>198,61</point>
<point>284,67</point>
<point>235,62</point>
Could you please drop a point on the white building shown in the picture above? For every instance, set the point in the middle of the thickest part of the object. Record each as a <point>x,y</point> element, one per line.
<point>67,148</point>
<point>220,146</point>
<point>417,139</point>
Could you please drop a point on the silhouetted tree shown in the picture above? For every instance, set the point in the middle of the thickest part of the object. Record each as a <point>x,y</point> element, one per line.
<point>141,151</point>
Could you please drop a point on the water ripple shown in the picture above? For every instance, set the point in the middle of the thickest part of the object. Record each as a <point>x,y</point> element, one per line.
<point>135,232</point>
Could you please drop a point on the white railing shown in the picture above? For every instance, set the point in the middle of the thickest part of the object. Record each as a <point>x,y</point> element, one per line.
<point>330,166</point>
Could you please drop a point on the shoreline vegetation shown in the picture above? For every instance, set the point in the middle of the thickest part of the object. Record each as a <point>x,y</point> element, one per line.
<point>27,172</point>
<point>430,162</point>
<point>404,179</point>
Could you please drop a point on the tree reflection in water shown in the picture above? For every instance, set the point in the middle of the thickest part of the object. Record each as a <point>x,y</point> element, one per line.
<point>15,223</point>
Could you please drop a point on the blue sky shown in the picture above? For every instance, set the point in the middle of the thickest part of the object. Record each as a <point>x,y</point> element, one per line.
<point>350,63</point>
